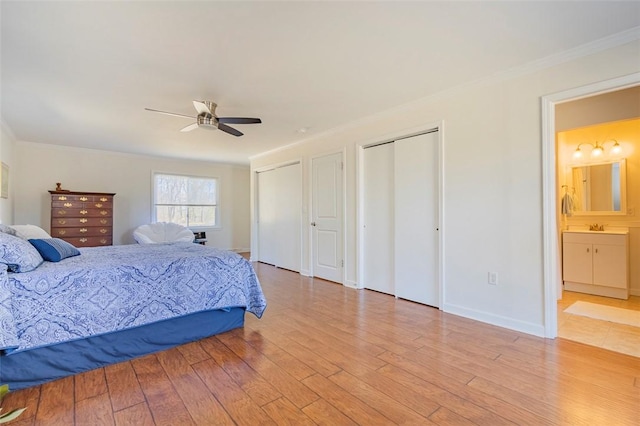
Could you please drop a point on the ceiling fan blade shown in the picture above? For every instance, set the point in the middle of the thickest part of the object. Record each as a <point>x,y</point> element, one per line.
<point>239,120</point>
<point>189,128</point>
<point>170,113</point>
<point>202,108</point>
<point>229,130</point>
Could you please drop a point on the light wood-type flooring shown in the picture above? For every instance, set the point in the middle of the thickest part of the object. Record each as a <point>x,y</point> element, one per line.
<point>329,355</point>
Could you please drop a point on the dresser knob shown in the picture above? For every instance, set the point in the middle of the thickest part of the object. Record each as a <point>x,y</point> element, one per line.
<point>103,231</point>
<point>83,230</point>
<point>98,205</point>
<point>83,220</point>
<point>62,198</point>
<point>62,212</point>
<point>83,240</point>
<point>103,241</point>
<point>83,198</point>
<point>103,199</point>
<point>68,204</point>
<point>104,212</point>
<point>83,212</point>
<point>103,221</point>
<point>61,232</point>
<point>61,221</point>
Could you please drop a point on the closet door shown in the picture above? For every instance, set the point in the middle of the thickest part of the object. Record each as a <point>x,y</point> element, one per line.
<point>378,233</point>
<point>267,217</point>
<point>416,218</point>
<point>289,199</point>
<point>279,209</point>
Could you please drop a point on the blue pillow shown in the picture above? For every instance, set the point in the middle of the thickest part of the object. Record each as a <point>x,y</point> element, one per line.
<point>18,254</point>
<point>54,249</point>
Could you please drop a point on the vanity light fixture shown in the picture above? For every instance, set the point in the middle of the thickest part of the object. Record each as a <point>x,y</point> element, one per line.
<point>616,149</point>
<point>597,150</point>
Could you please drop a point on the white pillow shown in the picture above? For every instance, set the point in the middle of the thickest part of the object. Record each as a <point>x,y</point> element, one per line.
<point>27,232</point>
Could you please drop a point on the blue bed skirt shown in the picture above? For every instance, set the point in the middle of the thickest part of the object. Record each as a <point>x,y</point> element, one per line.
<point>40,365</point>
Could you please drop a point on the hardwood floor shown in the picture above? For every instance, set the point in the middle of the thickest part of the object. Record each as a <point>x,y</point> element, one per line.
<point>328,355</point>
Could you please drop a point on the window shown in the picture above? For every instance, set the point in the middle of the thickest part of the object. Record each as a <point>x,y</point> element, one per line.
<point>187,200</point>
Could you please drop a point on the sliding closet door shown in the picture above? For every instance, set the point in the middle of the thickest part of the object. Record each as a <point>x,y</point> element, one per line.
<point>279,209</point>
<point>416,218</point>
<point>400,243</point>
<point>378,235</point>
<point>289,211</point>
<point>267,217</point>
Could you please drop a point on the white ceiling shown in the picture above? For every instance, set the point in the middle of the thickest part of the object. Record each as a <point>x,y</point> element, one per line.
<point>81,73</point>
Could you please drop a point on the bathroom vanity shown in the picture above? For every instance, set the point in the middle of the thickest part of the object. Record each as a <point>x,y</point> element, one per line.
<point>596,262</point>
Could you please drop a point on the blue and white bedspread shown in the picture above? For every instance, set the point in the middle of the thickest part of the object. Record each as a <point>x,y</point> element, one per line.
<point>108,289</point>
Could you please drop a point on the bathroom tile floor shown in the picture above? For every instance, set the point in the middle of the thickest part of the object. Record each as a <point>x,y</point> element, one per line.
<point>604,334</point>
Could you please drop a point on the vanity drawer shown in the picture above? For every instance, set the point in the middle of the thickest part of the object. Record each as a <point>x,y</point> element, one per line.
<point>593,238</point>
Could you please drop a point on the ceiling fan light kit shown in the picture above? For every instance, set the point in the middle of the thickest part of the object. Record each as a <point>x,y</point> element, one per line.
<point>207,118</point>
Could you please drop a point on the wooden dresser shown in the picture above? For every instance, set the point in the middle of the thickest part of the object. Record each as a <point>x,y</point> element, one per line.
<point>84,219</point>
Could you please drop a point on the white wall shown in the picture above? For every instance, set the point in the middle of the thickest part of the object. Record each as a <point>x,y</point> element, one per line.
<point>40,166</point>
<point>492,182</point>
<point>7,143</point>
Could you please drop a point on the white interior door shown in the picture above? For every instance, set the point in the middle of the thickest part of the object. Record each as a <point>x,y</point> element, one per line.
<point>289,209</point>
<point>401,224</point>
<point>279,209</point>
<point>416,186</point>
<point>326,216</point>
<point>267,217</point>
<point>378,232</point>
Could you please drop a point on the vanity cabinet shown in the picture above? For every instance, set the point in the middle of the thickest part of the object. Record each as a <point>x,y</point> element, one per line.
<point>596,263</point>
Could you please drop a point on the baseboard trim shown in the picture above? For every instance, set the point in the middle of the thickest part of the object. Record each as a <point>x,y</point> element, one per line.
<point>498,320</point>
<point>351,284</point>
<point>305,272</point>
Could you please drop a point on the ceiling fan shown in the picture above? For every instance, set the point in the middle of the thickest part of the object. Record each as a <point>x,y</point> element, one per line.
<point>208,119</point>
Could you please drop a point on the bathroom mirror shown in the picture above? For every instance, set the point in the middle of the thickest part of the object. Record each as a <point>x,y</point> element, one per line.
<point>598,189</point>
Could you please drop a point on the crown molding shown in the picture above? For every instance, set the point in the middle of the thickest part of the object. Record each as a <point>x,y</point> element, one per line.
<point>583,50</point>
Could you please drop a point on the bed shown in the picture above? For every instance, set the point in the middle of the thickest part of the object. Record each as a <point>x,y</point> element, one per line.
<point>111,304</point>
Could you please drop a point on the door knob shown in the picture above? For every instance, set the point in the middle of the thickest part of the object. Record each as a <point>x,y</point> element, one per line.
<point>313,224</point>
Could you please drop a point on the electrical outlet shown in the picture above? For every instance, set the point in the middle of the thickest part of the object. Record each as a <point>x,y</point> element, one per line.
<point>493,278</point>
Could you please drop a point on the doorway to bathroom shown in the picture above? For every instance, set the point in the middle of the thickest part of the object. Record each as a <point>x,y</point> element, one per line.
<point>608,322</point>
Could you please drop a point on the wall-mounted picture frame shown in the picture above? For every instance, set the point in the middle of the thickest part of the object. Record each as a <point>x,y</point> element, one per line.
<point>4,181</point>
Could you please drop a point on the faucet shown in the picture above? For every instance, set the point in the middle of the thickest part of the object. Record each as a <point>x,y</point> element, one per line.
<point>596,227</point>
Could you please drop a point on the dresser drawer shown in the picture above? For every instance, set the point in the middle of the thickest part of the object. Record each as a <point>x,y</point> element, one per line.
<point>82,197</point>
<point>80,232</point>
<point>82,212</point>
<point>74,204</point>
<point>76,222</point>
<point>89,241</point>
<point>69,204</point>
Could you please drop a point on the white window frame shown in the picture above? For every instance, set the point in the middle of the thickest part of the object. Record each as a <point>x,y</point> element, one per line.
<point>154,218</point>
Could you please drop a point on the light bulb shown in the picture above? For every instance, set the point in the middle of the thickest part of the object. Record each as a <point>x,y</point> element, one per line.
<point>577,153</point>
<point>597,151</point>
<point>617,149</point>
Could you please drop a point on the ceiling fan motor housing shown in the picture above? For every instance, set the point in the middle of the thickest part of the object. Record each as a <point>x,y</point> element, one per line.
<point>209,122</point>
<point>211,106</point>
